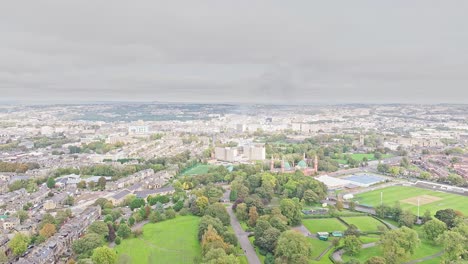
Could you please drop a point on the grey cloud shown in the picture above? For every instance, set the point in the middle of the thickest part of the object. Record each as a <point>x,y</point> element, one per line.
<point>241,51</point>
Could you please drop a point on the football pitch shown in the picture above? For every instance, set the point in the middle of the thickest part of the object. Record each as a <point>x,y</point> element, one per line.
<point>409,196</point>
<point>198,169</point>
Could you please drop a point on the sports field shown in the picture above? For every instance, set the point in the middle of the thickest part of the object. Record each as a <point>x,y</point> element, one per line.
<point>363,223</point>
<point>198,169</point>
<point>408,197</point>
<point>323,225</point>
<point>171,241</point>
<point>360,157</point>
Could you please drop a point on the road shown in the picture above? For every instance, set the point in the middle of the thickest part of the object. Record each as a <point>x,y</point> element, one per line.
<point>243,238</point>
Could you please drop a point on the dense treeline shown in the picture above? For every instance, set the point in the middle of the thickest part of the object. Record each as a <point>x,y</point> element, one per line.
<point>17,167</point>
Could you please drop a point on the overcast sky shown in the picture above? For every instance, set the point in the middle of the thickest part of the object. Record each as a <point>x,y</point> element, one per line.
<point>235,51</point>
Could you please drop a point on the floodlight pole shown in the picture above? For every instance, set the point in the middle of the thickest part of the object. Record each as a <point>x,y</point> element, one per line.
<point>381,198</point>
<point>418,208</point>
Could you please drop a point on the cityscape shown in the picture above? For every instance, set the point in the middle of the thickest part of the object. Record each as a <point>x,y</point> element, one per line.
<point>76,178</point>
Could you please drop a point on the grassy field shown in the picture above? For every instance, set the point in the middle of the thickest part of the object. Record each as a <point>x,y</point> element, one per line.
<point>318,246</point>
<point>323,225</point>
<point>360,157</point>
<point>198,169</point>
<point>398,193</point>
<point>171,241</point>
<point>365,254</point>
<point>363,223</point>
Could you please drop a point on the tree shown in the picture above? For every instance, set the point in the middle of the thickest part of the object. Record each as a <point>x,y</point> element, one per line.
<point>170,213</point>
<point>47,230</point>
<point>19,244</point>
<point>352,230</point>
<point>137,203</point>
<point>212,240</point>
<point>104,255</point>
<point>219,256</point>
<point>124,231</point>
<point>352,245</point>
<point>111,235</point>
<point>233,195</point>
<point>253,216</point>
<point>353,261</point>
<point>131,221</point>
<point>292,209</point>
<point>266,236</point>
<point>81,185</point>
<point>219,211</point>
<point>47,219</point>
<point>210,221</point>
<point>399,244</point>
<point>69,200</point>
<point>241,212</point>
<point>310,197</point>
<point>22,215</point>
<point>3,257</point>
<point>199,206</point>
<point>102,183</point>
<point>447,216</point>
<point>427,216</point>
<point>50,183</point>
<point>454,245</point>
<point>407,218</point>
<point>433,229</point>
<point>292,247</point>
<point>99,227</point>
<point>335,242</point>
<point>339,205</point>
<point>352,205</point>
<point>375,260</point>
<point>86,244</point>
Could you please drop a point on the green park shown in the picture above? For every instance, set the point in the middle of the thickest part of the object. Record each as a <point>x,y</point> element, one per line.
<point>171,241</point>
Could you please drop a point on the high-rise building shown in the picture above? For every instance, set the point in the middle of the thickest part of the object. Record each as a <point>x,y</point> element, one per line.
<point>255,152</point>
<point>226,153</point>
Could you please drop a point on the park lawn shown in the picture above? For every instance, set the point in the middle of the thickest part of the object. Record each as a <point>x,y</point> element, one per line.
<point>365,254</point>
<point>363,223</point>
<point>369,239</point>
<point>397,193</point>
<point>426,248</point>
<point>318,246</point>
<point>323,225</point>
<point>360,156</point>
<point>198,169</point>
<point>171,241</point>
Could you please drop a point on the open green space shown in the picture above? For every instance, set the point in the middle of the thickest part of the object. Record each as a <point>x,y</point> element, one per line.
<point>171,241</point>
<point>318,246</point>
<point>397,193</point>
<point>360,157</point>
<point>365,254</point>
<point>198,169</point>
<point>363,223</point>
<point>323,225</point>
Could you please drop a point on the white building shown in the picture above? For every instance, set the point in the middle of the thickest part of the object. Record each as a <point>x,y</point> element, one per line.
<point>138,129</point>
<point>255,152</point>
<point>226,154</point>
